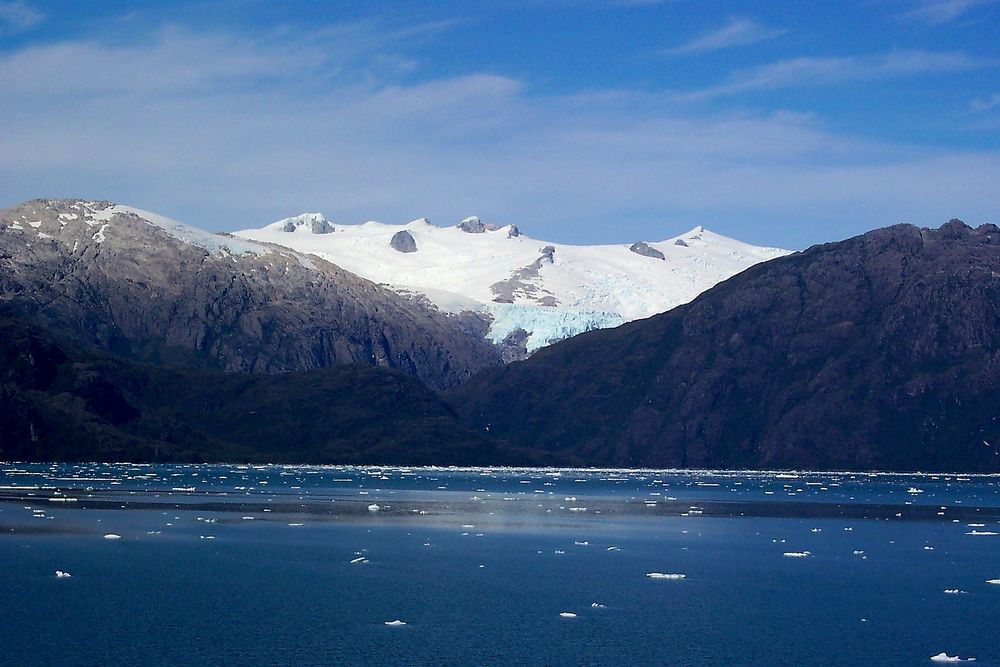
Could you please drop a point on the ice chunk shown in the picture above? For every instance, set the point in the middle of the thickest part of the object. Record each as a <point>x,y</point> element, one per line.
<point>596,605</point>
<point>662,575</point>
<point>62,575</point>
<point>797,554</point>
<point>996,582</point>
<point>373,508</point>
<point>395,623</point>
<point>112,536</point>
<point>981,532</point>
<point>944,657</point>
<point>567,614</point>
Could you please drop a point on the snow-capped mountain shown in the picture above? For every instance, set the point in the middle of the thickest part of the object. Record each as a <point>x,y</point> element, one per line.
<point>141,285</point>
<point>550,290</point>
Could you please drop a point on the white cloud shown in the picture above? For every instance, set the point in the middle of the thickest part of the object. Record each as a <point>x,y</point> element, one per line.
<point>736,32</point>
<point>227,133</point>
<point>812,71</point>
<point>987,103</point>
<point>18,17</point>
<point>938,12</point>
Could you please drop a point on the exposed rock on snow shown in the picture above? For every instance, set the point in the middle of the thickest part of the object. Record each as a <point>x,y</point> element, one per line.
<point>644,249</point>
<point>403,242</point>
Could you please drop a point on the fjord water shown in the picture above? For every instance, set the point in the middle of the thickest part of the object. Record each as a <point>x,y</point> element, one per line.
<point>306,565</point>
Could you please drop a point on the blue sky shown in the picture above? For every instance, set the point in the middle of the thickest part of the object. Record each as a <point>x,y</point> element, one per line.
<point>582,121</point>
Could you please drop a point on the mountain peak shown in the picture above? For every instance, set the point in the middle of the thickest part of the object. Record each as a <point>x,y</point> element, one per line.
<point>315,223</point>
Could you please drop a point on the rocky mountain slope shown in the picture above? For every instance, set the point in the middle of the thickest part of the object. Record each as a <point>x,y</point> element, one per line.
<point>878,352</point>
<point>143,286</point>
<point>58,403</point>
<point>532,292</point>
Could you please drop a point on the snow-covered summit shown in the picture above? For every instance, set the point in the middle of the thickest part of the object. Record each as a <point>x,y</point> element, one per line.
<point>312,223</point>
<point>550,290</point>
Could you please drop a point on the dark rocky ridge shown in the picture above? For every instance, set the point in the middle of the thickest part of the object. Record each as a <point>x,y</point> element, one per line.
<point>878,352</point>
<point>131,288</point>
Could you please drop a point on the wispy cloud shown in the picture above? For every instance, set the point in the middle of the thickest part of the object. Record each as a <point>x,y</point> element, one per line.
<point>736,32</point>
<point>228,132</point>
<point>811,71</point>
<point>938,12</point>
<point>16,17</point>
<point>987,103</point>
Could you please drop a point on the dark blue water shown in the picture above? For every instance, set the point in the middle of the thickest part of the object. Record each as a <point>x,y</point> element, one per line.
<point>252,565</point>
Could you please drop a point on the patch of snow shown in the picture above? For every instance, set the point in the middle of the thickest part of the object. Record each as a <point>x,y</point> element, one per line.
<point>35,223</point>
<point>216,244</point>
<point>99,236</point>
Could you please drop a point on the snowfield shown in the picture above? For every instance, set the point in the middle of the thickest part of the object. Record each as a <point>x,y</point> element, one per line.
<point>550,290</point>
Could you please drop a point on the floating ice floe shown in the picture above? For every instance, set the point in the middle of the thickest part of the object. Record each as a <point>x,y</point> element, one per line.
<point>981,532</point>
<point>567,614</point>
<point>797,554</point>
<point>373,508</point>
<point>112,536</point>
<point>662,575</point>
<point>613,548</point>
<point>995,582</point>
<point>62,575</point>
<point>596,605</point>
<point>296,525</point>
<point>359,559</point>
<point>944,657</point>
<point>395,623</point>
<point>954,591</point>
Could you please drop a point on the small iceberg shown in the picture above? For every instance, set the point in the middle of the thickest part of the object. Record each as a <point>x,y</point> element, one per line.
<point>112,536</point>
<point>995,582</point>
<point>981,532</point>
<point>944,657</point>
<point>662,575</point>
<point>373,508</point>
<point>797,554</point>
<point>62,575</point>
<point>396,623</point>
<point>567,614</point>
<point>596,605</point>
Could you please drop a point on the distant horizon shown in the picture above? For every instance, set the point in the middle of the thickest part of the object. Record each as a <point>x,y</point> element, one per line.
<point>584,121</point>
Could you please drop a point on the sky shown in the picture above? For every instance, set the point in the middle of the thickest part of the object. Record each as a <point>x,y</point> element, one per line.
<point>580,121</point>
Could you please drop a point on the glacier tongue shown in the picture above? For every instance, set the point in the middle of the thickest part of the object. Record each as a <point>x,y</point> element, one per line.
<point>551,291</point>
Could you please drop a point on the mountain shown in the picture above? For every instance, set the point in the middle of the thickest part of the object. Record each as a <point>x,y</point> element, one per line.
<point>531,292</point>
<point>878,352</point>
<point>150,288</point>
<point>58,403</point>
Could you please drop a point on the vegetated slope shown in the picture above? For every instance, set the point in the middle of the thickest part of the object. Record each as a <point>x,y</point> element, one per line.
<point>532,292</point>
<point>143,286</point>
<point>878,352</point>
<point>60,404</point>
